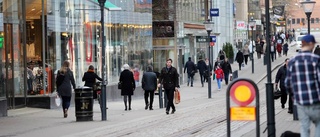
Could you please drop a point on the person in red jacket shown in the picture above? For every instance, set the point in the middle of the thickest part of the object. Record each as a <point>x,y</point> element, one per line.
<point>219,76</point>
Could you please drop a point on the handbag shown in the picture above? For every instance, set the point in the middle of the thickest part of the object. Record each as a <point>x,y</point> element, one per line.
<point>277,94</point>
<point>57,101</point>
<point>119,85</point>
<point>214,77</point>
<point>177,97</point>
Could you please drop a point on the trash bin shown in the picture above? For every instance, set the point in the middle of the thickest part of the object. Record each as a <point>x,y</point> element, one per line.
<point>84,104</point>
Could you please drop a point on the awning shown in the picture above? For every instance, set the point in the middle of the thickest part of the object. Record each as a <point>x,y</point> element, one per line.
<point>109,6</point>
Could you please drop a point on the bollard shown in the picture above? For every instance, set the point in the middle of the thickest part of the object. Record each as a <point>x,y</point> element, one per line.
<point>160,97</point>
<point>295,112</point>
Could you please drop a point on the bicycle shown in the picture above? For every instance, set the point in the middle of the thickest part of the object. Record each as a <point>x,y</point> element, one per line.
<point>97,91</point>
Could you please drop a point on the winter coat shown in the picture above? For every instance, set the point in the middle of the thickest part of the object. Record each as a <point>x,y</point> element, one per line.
<point>279,48</point>
<point>239,57</point>
<point>89,78</point>
<point>281,76</point>
<point>128,83</point>
<point>285,47</point>
<point>169,78</point>
<point>190,66</point>
<point>246,50</point>
<point>226,67</point>
<point>219,73</point>
<point>64,88</point>
<point>149,81</point>
<point>317,51</point>
<point>201,66</point>
<point>136,75</point>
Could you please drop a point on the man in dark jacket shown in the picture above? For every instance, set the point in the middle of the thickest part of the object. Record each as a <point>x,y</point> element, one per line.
<point>149,85</point>
<point>169,77</point>
<point>280,77</point>
<point>239,58</point>
<point>202,67</point>
<point>191,70</point>
<point>226,67</point>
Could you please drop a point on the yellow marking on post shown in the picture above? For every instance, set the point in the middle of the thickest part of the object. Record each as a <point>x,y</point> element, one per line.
<point>243,113</point>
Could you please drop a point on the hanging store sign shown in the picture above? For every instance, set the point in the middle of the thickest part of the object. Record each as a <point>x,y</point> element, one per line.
<point>214,12</point>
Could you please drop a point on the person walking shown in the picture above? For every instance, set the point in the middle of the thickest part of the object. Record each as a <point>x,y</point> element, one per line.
<point>128,85</point>
<point>169,78</point>
<point>89,79</point>
<point>136,75</point>
<point>246,54</point>
<point>239,58</point>
<point>30,79</point>
<point>280,77</point>
<point>285,48</point>
<point>191,70</point>
<point>226,67</point>
<point>64,81</point>
<point>219,76</point>
<point>303,78</point>
<point>202,67</point>
<point>149,85</point>
<point>207,73</point>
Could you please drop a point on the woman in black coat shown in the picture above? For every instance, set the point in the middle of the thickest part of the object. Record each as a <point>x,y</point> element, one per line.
<point>64,81</point>
<point>239,58</point>
<point>89,78</point>
<point>127,85</point>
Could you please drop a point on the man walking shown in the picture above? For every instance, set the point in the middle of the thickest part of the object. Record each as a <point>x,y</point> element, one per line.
<point>202,67</point>
<point>303,77</point>
<point>191,70</point>
<point>239,58</point>
<point>280,77</point>
<point>149,85</point>
<point>169,77</point>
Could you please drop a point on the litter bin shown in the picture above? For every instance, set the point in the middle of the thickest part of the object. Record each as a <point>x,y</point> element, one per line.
<point>84,104</point>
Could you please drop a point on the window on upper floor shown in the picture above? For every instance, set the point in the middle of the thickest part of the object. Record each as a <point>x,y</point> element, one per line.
<point>317,20</point>
<point>288,21</point>
<point>298,21</point>
<point>293,21</point>
<point>312,20</point>
<point>302,21</point>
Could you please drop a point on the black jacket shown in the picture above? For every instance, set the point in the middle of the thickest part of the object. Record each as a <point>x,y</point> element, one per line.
<point>281,76</point>
<point>317,51</point>
<point>226,67</point>
<point>202,66</point>
<point>64,89</point>
<point>149,81</point>
<point>90,78</point>
<point>239,57</point>
<point>128,83</point>
<point>190,66</point>
<point>169,78</point>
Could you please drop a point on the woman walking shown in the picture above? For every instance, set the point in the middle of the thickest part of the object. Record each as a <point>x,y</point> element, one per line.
<point>89,79</point>
<point>246,54</point>
<point>64,81</point>
<point>127,85</point>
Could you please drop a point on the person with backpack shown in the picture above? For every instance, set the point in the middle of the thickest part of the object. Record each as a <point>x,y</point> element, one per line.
<point>191,70</point>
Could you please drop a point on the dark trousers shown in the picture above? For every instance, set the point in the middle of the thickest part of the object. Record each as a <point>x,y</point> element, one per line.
<point>246,59</point>
<point>30,86</point>
<point>170,95</point>
<point>272,54</point>
<point>284,96</point>
<point>202,78</point>
<point>65,102</point>
<point>146,96</point>
<point>226,78</point>
<point>190,78</point>
<point>240,65</point>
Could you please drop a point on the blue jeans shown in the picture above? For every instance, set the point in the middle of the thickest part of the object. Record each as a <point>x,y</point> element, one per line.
<point>190,77</point>
<point>219,83</point>
<point>306,115</point>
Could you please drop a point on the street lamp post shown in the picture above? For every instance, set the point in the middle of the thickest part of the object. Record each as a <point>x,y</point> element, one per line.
<point>308,6</point>
<point>208,26</point>
<point>103,68</point>
<point>252,23</point>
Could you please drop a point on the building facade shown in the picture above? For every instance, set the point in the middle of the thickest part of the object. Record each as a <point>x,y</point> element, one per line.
<point>45,33</point>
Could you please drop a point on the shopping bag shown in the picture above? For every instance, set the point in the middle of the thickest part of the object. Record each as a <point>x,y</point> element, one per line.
<point>214,77</point>
<point>230,77</point>
<point>277,94</point>
<point>57,101</point>
<point>177,97</point>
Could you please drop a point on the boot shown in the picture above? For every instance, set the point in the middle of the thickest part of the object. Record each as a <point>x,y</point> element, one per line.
<point>129,105</point>
<point>125,106</point>
<point>65,113</point>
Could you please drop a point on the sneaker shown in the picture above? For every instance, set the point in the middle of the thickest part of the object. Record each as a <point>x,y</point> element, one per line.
<point>219,89</point>
<point>173,110</point>
<point>146,106</point>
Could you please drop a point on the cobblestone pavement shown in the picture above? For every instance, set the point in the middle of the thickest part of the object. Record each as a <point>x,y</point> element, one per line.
<point>196,115</point>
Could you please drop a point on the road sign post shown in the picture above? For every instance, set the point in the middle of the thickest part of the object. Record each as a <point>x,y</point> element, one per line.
<point>243,92</point>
